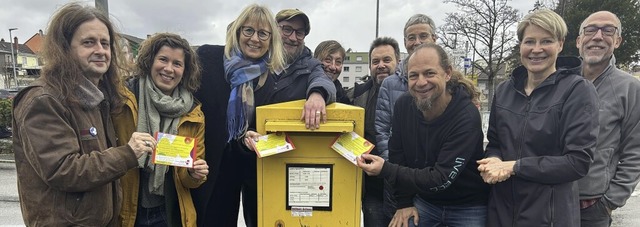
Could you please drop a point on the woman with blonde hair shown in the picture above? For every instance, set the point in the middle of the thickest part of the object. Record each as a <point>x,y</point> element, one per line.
<point>542,131</point>
<point>230,75</point>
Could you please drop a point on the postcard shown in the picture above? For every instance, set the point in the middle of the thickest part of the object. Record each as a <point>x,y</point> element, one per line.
<point>174,150</point>
<point>351,145</point>
<point>271,144</point>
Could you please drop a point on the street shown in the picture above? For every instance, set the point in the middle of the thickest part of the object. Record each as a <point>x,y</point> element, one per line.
<point>10,214</point>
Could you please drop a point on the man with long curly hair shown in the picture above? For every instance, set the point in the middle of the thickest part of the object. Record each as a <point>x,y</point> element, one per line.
<point>63,136</point>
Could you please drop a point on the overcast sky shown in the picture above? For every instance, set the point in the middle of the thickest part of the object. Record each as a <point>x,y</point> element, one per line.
<point>352,23</point>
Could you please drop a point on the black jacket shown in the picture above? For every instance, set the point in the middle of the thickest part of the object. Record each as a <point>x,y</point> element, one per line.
<point>552,135</point>
<point>304,76</point>
<point>436,159</point>
<point>366,96</point>
<point>341,94</point>
<point>214,95</point>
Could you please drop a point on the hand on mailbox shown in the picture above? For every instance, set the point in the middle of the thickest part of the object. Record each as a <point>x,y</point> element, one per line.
<point>314,111</point>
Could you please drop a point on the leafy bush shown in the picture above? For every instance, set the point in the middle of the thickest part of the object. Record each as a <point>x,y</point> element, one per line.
<point>5,125</point>
<point>5,113</point>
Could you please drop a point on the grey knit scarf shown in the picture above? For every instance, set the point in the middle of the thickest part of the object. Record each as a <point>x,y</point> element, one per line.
<point>88,93</point>
<point>158,112</point>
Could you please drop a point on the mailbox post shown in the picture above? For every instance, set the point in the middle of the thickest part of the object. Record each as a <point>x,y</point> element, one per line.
<point>312,185</point>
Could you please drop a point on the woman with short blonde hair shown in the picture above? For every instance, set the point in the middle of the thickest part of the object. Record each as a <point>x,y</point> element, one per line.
<point>542,131</point>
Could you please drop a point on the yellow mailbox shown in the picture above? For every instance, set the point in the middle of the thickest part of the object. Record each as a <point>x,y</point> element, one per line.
<point>312,185</point>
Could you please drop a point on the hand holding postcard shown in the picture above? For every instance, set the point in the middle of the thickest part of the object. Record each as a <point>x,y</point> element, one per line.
<point>174,150</point>
<point>351,145</point>
<point>272,144</point>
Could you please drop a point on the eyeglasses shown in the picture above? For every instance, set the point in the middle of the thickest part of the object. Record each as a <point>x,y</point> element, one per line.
<point>288,30</point>
<point>249,31</point>
<point>421,36</point>
<point>607,30</point>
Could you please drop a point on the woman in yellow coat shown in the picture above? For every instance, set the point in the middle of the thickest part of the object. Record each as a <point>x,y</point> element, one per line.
<point>159,99</point>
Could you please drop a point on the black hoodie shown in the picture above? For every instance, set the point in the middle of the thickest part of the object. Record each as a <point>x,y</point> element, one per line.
<point>437,159</point>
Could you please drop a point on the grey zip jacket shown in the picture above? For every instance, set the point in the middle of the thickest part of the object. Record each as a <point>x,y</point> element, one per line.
<point>615,170</point>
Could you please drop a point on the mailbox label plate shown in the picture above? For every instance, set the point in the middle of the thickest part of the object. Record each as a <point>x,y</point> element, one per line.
<point>310,185</point>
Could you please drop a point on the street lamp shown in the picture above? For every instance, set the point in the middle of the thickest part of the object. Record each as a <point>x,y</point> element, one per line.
<point>13,58</point>
<point>473,59</point>
<point>377,16</point>
<point>455,39</point>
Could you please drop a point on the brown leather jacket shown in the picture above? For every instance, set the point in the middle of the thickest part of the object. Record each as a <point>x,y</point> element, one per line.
<point>67,168</point>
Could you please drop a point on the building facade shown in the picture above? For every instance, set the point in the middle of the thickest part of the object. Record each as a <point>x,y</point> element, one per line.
<point>26,64</point>
<point>354,68</point>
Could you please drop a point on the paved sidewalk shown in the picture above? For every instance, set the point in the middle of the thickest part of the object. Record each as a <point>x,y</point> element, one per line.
<point>6,158</point>
<point>8,180</point>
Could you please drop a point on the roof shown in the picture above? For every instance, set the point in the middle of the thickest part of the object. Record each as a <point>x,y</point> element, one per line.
<point>6,46</point>
<point>131,38</point>
<point>34,36</point>
<point>35,42</point>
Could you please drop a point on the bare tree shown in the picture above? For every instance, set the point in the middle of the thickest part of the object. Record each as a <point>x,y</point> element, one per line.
<point>488,26</point>
<point>544,4</point>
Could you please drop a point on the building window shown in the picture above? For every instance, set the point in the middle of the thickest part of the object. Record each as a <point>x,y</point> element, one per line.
<point>346,69</point>
<point>358,68</point>
<point>347,58</point>
<point>359,58</point>
<point>358,78</point>
<point>7,58</point>
<point>24,60</point>
<point>345,79</point>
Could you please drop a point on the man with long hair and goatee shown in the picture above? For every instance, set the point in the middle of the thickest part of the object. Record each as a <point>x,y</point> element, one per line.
<point>63,136</point>
<point>433,149</point>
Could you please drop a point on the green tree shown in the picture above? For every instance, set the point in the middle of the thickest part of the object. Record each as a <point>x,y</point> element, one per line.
<point>575,11</point>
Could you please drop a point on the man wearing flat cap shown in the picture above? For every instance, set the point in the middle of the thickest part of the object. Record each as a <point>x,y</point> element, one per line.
<point>302,78</point>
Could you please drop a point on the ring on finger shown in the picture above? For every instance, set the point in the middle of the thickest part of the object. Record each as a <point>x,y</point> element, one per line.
<point>318,112</point>
<point>146,143</point>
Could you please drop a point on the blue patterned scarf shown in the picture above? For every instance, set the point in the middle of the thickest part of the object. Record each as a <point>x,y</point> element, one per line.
<point>239,72</point>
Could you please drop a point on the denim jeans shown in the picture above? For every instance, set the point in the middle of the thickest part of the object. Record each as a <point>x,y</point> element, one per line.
<point>388,201</point>
<point>451,216</point>
<point>372,205</point>
<point>152,217</point>
<point>373,213</point>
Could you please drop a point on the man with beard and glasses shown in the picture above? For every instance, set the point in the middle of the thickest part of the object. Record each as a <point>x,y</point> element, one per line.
<point>614,172</point>
<point>383,55</point>
<point>302,78</point>
<point>433,151</point>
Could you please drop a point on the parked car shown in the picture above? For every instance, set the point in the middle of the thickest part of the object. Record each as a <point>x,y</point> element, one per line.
<point>5,132</point>
<point>10,92</point>
<point>7,93</point>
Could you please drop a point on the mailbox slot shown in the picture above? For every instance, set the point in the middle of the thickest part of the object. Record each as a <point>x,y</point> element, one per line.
<point>299,126</point>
